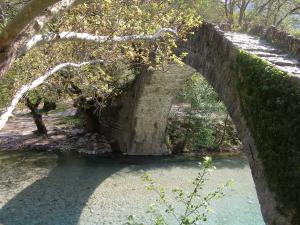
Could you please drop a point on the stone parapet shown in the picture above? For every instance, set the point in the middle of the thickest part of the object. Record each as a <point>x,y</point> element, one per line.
<point>280,38</point>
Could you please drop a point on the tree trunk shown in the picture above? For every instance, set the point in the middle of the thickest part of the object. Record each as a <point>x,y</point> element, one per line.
<point>226,8</point>
<point>231,11</point>
<point>37,117</point>
<point>229,8</point>
<point>242,13</point>
<point>87,108</point>
<point>224,131</point>
<point>268,15</point>
<point>1,14</point>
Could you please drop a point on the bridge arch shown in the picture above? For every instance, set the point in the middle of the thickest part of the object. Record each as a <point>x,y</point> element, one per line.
<point>262,101</point>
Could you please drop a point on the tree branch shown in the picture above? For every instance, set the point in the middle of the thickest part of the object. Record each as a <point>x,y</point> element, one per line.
<point>25,88</point>
<point>73,36</point>
<point>292,11</point>
<point>262,7</point>
<point>29,21</point>
<point>29,12</point>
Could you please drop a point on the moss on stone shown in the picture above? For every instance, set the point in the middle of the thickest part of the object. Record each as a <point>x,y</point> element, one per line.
<point>270,102</point>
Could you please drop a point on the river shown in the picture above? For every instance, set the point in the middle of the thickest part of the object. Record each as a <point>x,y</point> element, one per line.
<point>44,188</point>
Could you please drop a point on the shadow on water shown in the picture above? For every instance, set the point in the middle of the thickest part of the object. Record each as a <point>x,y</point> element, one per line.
<point>60,197</point>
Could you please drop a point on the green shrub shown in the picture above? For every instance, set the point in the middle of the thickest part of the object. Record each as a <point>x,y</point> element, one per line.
<point>205,119</point>
<point>195,205</point>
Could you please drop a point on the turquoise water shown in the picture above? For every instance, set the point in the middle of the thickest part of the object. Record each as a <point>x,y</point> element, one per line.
<point>43,188</point>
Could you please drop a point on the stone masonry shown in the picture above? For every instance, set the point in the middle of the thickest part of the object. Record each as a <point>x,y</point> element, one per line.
<point>143,119</point>
<point>213,53</point>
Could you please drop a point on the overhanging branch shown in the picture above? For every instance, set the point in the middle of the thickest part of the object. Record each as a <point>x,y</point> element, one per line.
<point>29,21</point>
<point>73,36</point>
<point>25,88</point>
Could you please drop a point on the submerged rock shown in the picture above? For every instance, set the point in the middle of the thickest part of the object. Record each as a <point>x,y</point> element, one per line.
<point>93,144</point>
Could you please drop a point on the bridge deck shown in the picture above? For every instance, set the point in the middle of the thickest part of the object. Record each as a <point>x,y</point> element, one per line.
<point>264,50</point>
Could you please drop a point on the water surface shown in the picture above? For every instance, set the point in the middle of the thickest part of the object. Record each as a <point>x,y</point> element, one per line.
<point>43,188</point>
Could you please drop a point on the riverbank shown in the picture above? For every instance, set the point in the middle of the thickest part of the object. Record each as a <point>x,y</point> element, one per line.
<point>64,137</point>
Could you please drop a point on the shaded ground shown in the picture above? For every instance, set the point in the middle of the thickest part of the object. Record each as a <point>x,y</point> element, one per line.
<point>18,135</point>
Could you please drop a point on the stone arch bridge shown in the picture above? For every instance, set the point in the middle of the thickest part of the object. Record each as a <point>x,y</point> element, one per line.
<point>259,86</point>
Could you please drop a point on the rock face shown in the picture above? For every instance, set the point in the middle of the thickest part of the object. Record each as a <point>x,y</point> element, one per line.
<point>93,144</point>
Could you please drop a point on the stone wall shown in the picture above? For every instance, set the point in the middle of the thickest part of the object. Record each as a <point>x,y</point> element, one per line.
<point>144,115</point>
<point>279,38</point>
